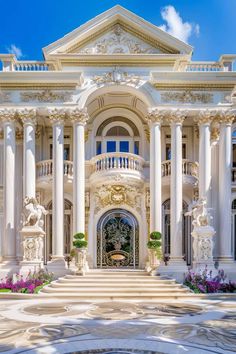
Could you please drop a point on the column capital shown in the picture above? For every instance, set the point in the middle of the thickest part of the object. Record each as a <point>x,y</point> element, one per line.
<point>155,115</point>
<point>78,115</point>
<point>227,116</point>
<point>205,116</point>
<point>7,115</point>
<point>176,116</point>
<point>57,115</point>
<point>27,115</point>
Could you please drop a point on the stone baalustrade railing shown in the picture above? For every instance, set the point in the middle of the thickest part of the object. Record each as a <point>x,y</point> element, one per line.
<point>189,168</point>
<point>33,66</point>
<point>110,161</point>
<point>44,169</point>
<point>203,66</point>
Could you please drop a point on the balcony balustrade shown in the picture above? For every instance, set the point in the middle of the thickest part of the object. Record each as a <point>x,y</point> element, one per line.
<point>44,169</point>
<point>110,161</point>
<point>189,168</point>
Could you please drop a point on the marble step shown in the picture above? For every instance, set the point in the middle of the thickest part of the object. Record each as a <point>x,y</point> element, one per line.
<point>114,284</point>
<point>110,290</point>
<point>84,280</point>
<point>117,278</point>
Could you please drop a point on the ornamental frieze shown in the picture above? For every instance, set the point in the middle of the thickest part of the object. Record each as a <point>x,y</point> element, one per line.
<point>117,195</point>
<point>46,96</point>
<point>186,97</point>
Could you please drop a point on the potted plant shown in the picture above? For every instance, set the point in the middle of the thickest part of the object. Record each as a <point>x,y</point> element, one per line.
<point>81,247</point>
<point>154,251</point>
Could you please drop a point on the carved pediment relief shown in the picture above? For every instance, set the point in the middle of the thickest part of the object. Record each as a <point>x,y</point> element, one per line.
<point>116,41</point>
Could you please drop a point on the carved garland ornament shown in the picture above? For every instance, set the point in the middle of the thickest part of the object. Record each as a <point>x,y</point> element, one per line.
<point>46,96</point>
<point>187,97</point>
<point>117,77</point>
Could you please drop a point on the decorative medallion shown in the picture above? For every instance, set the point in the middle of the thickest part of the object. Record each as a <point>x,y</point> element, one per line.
<point>117,77</point>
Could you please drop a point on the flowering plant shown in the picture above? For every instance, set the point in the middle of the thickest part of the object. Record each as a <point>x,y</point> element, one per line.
<point>32,283</point>
<point>204,282</point>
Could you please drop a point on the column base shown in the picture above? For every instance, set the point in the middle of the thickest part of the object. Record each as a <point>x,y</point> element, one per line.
<point>199,267</point>
<point>58,266</point>
<point>176,269</point>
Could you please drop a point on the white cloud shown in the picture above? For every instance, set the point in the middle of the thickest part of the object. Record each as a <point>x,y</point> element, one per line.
<point>176,26</point>
<point>13,49</point>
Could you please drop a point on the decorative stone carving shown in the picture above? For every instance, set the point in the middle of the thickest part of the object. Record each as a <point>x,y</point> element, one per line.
<point>7,115</point>
<point>57,115</point>
<point>46,96</point>
<point>186,97</point>
<point>176,116</point>
<point>202,235</point>
<point>81,261</point>
<point>78,115</point>
<point>33,249</point>
<point>118,195</point>
<point>117,77</point>
<point>147,198</point>
<point>206,116</point>
<point>5,97</point>
<point>147,133</point>
<point>155,115</point>
<point>27,115</point>
<point>118,41</point>
<point>199,213</point>
<point>227,116</point>
<point>33,212</point>
<point>87,199</point>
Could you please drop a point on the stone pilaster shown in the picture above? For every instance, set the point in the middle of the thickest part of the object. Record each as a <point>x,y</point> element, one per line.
<point>28,117</point>
<point>79,119</point>
<point>155,118</point>
<point>7,116</point>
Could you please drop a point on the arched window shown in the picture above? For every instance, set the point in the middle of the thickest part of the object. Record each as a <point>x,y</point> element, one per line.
<point>67,228</point>
<point>187,242</point>
<point>117,134</point>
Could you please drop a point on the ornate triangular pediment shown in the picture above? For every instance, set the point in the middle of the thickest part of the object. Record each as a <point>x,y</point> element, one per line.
<point>117,40</point>
<point>117,31</point>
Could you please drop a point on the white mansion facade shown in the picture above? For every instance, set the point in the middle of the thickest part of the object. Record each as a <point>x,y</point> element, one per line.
<point>116,133</point>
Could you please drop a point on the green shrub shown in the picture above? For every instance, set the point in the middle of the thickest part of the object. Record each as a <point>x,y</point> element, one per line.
<point>155,235</point>
<point>153,244</point>
<point>79,236</point>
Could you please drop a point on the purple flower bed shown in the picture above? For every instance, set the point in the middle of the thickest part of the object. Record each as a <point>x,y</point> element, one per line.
<point>204,282</point>
<point>32,283</point>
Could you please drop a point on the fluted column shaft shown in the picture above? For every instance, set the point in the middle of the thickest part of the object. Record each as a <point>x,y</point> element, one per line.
<point>176,190</point>
<point>225,157</point>
<point>79,118</point>
<point>205,156</point>
<point>155,118</point>
<point>58,184</point>
<point>9,186</point>
<point>28,118</point>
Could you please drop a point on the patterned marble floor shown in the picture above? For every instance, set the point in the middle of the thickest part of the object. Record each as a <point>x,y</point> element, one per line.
<point>57,326</point>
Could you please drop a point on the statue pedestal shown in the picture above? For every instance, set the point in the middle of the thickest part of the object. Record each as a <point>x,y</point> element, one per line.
<point>32,241</point>
<point>153,262</point>
<point>203,248</point>
<point>81,261</point>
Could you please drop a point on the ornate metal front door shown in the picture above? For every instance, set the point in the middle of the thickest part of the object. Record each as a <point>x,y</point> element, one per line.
<point>117,240</point>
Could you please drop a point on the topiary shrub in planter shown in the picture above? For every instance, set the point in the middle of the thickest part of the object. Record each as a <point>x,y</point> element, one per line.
<point>79,240</point>
<point>154,252</point>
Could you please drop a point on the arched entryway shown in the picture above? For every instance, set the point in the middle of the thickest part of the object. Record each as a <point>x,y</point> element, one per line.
<point>117,240</point>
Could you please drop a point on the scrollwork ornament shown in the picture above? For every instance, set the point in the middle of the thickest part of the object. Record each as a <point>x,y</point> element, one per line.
<point>155,115</point>
<point>176,116</point>
<point>206,116</point>
<point>27,115</point>
<point>227,117</point>
<point>78,115</point>
<point>57,115</point>
<point>7,115</point>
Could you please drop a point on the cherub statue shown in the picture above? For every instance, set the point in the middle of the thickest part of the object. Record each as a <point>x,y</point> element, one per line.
<point>33,212</point>
<point>199,213</point>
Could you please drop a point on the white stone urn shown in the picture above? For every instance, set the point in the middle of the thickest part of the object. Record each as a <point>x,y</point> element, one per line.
<point>153,262</point>
<point>81,261</point>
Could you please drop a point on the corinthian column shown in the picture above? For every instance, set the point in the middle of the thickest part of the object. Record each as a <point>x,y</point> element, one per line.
<point>155,118</point>
<point>204,121</point>
<point>225,158</point>
<point>28,117</point>
<point>9,241</point>
<point>57,118</point>
<point>176,188</point>
<point>79,119</point>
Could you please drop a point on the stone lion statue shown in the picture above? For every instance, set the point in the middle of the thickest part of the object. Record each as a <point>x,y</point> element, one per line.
<point>198,211</point>
<point>33,212</point>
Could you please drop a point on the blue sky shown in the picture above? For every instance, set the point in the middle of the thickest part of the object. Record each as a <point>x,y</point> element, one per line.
<point>208,25</point>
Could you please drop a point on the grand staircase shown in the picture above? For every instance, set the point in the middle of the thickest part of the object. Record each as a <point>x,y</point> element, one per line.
<point>116,285</point>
